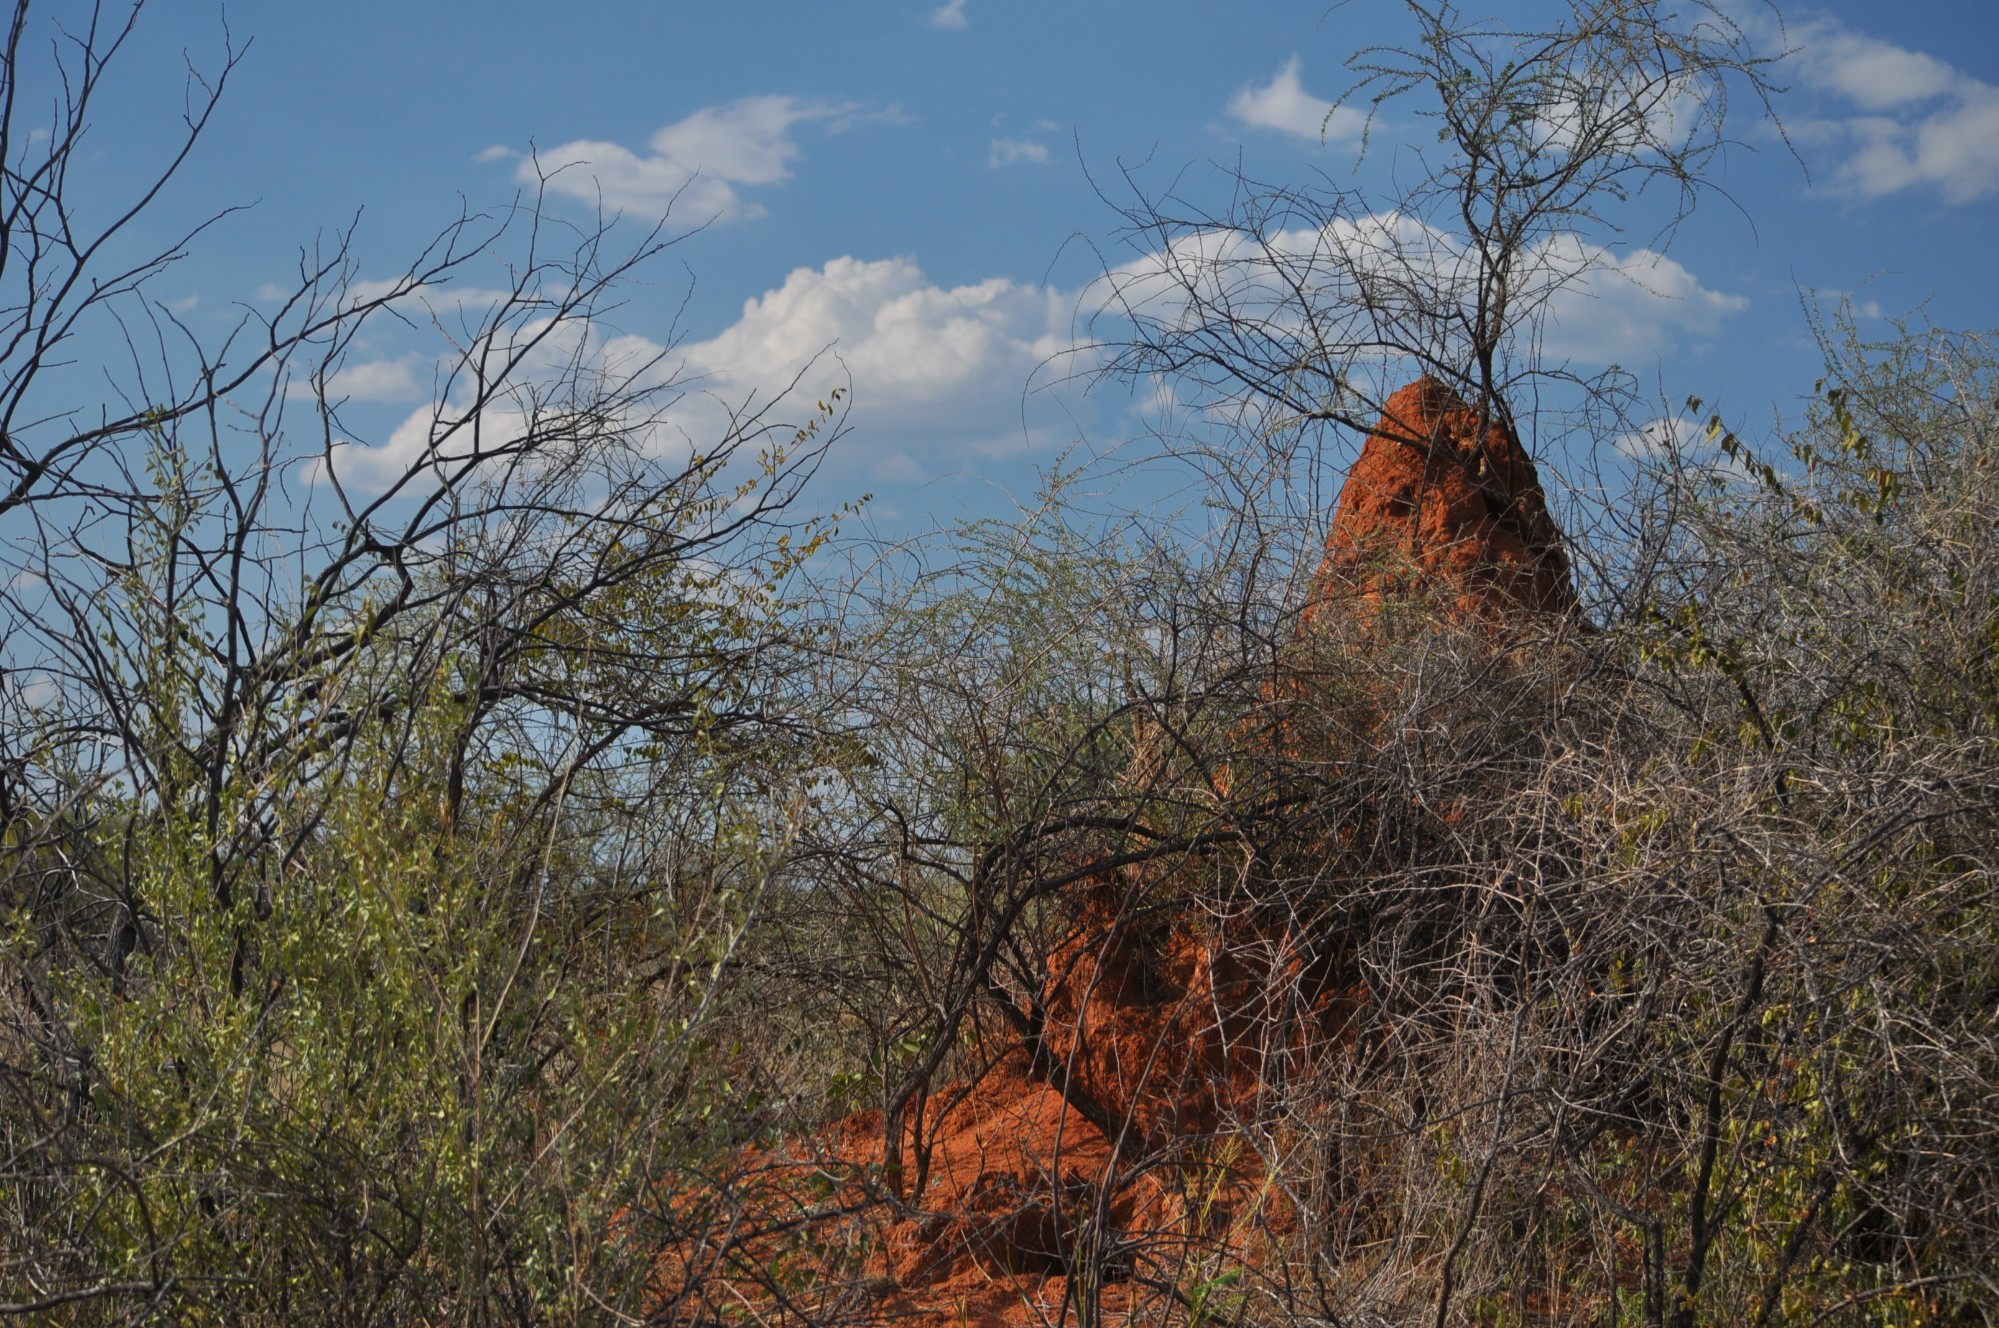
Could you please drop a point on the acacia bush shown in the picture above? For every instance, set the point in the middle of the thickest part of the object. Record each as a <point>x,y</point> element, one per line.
<point>379,844</point>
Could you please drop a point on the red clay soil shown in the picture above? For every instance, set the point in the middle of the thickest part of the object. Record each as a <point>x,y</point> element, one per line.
<point>1167,1040</point>
<point>1107,1138</point>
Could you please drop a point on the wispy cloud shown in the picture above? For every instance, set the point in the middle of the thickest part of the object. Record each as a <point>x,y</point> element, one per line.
<point>1012,151</point>
<point>697,166</point>
<point>1284,105</point>
<point>950,15</point>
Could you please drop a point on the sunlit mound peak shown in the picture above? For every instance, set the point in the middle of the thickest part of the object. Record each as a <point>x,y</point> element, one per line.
<point>1444,504</point>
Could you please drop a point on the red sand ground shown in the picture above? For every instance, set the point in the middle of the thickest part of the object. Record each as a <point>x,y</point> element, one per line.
<point>1168,1038</point>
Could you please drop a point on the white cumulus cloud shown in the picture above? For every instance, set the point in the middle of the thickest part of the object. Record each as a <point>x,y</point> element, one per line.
<point>1675,441</point>
<point>1609,308</point>
<point>1284,105</point>
<point>1922,123</point>
<point>376,380</point>
<point>905,341</point>
<point>698,165</point>
<point>446,435</point>
<point>1357,283</point>
<point>941,377</point>
<point>934,370</point>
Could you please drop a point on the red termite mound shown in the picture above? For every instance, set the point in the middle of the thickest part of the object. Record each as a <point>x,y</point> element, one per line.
<point>1444,501</point>
<point>1103,1141</point>
<point>1108,1130</point>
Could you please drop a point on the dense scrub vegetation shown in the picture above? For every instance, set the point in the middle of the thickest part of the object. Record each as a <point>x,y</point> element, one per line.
<point>434,907</point>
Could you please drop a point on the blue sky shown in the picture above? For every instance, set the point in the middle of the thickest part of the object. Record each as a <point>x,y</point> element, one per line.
<point>916,187</point>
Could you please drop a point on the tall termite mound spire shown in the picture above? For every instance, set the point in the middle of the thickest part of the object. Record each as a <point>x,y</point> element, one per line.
<point>1444,501</point>
<point>1099,1118</point>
